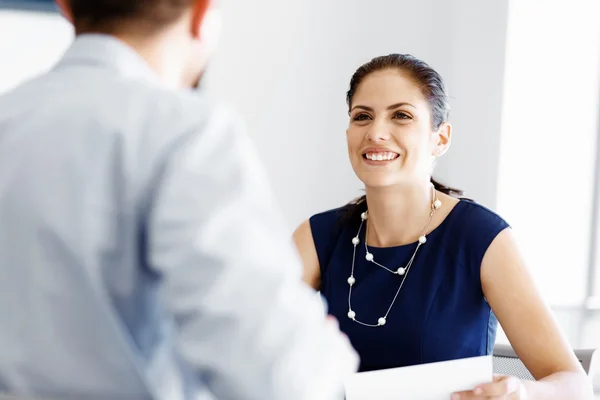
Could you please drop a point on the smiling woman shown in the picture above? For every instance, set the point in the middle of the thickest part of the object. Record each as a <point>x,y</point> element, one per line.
<point>433,100</point>
<point>414,273</point>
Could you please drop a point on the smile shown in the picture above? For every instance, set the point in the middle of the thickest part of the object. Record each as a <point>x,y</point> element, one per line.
<point>380,156</point>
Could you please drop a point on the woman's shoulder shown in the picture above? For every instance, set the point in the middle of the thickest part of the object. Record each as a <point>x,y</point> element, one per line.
<point>328,217</point>
<point>326,228</point>
<point>327,225</point>
<point>470,230</point>
<point>471,214</point>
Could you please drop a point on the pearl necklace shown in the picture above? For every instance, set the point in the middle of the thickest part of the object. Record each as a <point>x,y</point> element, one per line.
<point>401,271</point>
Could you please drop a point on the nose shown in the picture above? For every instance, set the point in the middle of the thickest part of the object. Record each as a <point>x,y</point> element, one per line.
<point>379,131</point>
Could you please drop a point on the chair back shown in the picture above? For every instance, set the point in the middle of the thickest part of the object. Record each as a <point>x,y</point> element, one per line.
<point>506,362</point>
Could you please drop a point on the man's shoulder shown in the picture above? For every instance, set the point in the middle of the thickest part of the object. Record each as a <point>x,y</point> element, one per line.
<point>175,107</point>
<point>117,103</point>
<point>147,120</point>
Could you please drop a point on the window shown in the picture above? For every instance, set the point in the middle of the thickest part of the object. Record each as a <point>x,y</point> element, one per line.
<point>548,142</point>
<point>593,284</point>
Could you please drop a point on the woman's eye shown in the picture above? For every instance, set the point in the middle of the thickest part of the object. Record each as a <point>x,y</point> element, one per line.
<point>401,115</point>
<point>361,117</point>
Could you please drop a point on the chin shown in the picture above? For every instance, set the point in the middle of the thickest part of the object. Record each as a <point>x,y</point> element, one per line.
<point>379,183</point>
<point>373,178</point>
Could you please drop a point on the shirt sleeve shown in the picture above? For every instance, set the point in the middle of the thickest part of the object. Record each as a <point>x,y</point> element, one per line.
<point>246,324</point>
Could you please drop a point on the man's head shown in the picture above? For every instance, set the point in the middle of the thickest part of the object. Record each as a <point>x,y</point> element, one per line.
<point>185,31</point>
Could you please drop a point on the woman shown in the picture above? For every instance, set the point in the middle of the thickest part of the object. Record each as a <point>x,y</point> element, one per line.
<point>413,273</point>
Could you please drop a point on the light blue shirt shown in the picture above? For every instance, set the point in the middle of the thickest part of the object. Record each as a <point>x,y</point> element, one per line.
<point>141,253</point>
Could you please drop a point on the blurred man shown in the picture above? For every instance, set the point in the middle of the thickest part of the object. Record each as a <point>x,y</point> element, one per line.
<point>140,256</point>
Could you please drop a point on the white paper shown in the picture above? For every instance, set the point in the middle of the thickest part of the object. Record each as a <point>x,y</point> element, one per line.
<point>435,381</point>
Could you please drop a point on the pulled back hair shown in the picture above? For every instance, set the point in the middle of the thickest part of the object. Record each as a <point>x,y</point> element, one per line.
<point>109,15</point>
<point>433,89</point>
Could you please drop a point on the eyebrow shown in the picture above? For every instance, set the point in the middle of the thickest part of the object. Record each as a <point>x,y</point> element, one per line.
<point>392,107</point>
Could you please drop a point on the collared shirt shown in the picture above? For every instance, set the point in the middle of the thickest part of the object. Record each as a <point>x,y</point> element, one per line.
<point>142,255</point>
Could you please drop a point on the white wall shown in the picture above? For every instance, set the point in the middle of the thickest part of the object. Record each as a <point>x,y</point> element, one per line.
<point>288,75</point>
<point>475,55</point>
<point>286,67</point>
<point>549,139</point>
<point>30,43</point>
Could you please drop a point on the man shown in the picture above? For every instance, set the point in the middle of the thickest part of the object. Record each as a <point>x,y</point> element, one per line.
<point>140,256</point>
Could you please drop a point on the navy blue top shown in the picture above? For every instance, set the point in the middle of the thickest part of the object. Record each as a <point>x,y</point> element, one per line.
<point>440,314</point>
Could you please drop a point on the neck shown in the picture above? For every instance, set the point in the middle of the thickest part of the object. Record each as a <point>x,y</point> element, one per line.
<point>397,215</point>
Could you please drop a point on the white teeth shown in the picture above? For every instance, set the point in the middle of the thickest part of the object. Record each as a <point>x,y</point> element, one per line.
<point>382,156</point>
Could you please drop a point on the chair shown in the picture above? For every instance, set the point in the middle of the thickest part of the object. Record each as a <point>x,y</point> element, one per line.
<point>506,362</point>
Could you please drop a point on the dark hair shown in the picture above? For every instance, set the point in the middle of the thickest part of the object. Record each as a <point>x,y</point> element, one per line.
<point>109,15</point>
<point>433,89</point>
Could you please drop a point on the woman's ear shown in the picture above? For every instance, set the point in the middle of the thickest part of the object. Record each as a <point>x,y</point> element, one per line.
<point>443,139</point>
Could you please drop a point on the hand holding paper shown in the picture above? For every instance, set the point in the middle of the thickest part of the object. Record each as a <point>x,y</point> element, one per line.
<point>501,387</point>
<point>435,381</point>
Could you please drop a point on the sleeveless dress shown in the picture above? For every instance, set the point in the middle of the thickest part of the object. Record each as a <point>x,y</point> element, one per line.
<point>440,314</point>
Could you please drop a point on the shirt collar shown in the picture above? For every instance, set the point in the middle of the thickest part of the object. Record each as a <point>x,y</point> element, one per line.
<point>106,51</point>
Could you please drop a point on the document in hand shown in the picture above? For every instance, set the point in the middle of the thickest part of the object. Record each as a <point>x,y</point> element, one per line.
<point>435,381</point>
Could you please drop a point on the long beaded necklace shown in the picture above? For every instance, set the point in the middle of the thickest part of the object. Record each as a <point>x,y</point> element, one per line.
<point>401,271</point>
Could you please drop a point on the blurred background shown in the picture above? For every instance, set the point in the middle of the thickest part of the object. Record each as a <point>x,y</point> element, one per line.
<point>524,76</point>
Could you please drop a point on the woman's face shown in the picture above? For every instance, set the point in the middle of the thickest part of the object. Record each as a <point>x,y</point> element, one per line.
<point>390,135</point>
